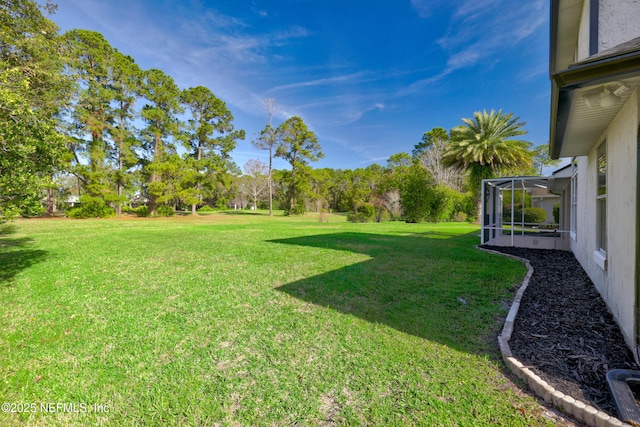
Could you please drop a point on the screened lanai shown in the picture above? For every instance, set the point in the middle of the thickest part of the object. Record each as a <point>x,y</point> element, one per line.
<point>506,222</point>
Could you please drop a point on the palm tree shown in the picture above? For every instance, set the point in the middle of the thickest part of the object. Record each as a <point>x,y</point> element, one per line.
<point>485,147</point>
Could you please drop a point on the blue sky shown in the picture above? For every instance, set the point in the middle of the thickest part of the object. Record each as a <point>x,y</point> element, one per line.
<point>368,77</point>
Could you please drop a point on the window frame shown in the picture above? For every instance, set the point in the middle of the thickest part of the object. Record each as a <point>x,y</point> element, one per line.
<point>601,205</point>
<point>573,207</point>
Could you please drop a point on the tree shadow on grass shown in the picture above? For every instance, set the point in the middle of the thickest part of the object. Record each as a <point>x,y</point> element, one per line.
<point>15,256</point>
<point>432,285</point>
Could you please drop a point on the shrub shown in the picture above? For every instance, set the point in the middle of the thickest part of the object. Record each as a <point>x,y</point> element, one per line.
<point>416,194</point>
<point>443,203</point>
<point>534,215</point>
<point>459,217</point>
<point>357,217</point>
<point>297,210</point>
<point>91,207</point>
<point>466,203</point>
<point>164,210</point>
<point>368,210</point>
<point>206,208</point>
<point>556,213</point>
<point>531,215</point>
<point>8,213</point>
<point>383,215</point>
<point>143,211</point>
<point>30,209</point>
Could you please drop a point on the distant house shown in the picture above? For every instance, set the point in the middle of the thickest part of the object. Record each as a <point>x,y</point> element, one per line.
<point>595,122</point>
<point>71,201</point>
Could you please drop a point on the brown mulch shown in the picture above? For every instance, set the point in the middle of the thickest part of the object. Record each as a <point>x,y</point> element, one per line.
<point>564,332</point>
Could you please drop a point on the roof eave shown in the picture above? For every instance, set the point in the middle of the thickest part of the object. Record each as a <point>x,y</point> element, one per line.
<point>565,82</point>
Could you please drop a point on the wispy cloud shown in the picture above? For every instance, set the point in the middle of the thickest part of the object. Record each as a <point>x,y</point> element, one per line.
<point>221,51</point>
<point>479,30</point>
<point>317,82</point>
<point>293,32</point>
<point>533,72</point>
<point>260,12</point>
<point>470,10</point>
<point>236,41</point>
<point>423,7</point>
<point>367,153</point>
<point>219,20</point>
<point>356,114</point>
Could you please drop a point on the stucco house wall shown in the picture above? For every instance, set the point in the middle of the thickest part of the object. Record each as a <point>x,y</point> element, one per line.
<point>582,47</point>
<point>616,283</point>
<point>617,22</point>
<point>584,244</point>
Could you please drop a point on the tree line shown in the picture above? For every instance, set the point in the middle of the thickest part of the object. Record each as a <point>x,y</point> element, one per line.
<point>79,117</point>
<point>438,181</point>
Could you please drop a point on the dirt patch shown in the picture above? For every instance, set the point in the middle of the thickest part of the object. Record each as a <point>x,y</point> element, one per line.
<point>329,408</point>
<point>564,332</point>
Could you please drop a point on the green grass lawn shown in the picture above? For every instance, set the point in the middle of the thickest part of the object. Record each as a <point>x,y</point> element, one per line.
<point>239,319</point>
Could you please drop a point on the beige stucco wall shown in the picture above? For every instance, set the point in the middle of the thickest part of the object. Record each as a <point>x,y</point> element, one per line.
<point>582,50</point>
<point>617,22</point>
<point>617,283</point>
<point>585,243</point>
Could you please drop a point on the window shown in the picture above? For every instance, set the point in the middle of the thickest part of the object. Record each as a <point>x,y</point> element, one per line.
<point>601,200</point>
<point>573,225</point>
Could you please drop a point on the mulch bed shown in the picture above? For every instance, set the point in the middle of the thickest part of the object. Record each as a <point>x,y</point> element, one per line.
<point>564,332</point>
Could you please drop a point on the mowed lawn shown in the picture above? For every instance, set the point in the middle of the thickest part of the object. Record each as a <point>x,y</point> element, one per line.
<point>243,320</point>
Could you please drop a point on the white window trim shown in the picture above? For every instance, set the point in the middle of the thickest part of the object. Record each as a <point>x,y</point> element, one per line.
<point>600,258</point>
<point>600,254</point>
<point>573,208</point>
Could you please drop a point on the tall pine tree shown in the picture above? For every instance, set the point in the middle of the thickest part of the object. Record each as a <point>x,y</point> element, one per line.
<point>209,138</point>
<point>298,146</point>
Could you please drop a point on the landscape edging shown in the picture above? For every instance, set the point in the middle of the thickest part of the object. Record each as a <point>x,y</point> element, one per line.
<point>581,411</point>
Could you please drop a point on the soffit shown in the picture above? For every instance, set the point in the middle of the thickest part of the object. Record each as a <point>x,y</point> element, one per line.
<point>577,124</point>
<point>588,121</point>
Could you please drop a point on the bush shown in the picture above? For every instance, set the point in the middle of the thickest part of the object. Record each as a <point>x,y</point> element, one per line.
<point>298,209</point>
<point>443,203</point>
<point>416,194</point>
<point>206,208</point>
<point>534,215</point>
<point>459,217</point>
<point>556,213</point>
<point>164,210</point>
<point>366,212</point>
<point>91,207</point>
<point>383,215</point>
<point>142,211</point>
<point>357,217</point>
<point>466,203</point>
<point>368,209</point>
<point>531,215</point>
<point>31,209</point>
